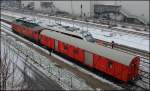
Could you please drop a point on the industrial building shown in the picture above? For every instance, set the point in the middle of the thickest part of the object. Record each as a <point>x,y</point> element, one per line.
<point>138,10</point>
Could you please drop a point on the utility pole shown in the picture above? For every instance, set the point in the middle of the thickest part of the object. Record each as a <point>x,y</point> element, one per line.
<point>81,10</point>
<point>90,8</point>
<point>116,11</point>
<point>72,12</point>
<point>19,4</point>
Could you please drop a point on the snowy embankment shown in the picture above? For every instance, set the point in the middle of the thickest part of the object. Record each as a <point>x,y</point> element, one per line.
<point>63,77</point>
<point>131,40</point>
<point>16,67</point>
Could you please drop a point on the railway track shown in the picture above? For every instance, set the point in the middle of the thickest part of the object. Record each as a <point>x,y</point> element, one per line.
<point>90,21</point>
<point>117,46</point>
<point>142,76</point>
<point>127,49</point>
<point>133,32</point>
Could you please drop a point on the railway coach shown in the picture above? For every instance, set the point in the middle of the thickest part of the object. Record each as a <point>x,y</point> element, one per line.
<point>117,64</point>
<point>120,65</point>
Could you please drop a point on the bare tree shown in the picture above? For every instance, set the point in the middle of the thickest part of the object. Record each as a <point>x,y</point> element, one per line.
<point>4,68</point>
<point>7,66</point>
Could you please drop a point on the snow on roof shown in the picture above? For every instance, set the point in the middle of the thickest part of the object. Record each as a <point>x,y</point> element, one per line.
<point>115,55</point>
<point>35,27</point>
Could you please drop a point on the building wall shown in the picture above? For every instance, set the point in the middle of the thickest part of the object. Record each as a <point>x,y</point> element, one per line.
<point>72,7</point>
<point>138,8</point>
<point>75,9</point>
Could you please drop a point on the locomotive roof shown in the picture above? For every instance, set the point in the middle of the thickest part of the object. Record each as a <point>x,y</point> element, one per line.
<point>115,55</point>
<point>25,23</point>
<point>35,27</point>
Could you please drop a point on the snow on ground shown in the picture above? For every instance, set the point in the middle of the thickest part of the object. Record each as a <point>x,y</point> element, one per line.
<point>45,63</point>
<point>144,65</point>
<point>129,29</point>
<point>130,40</point>
<point>11,14</point>
<point>15,76</point>
<point>8,25</point>
<point>67,78</point>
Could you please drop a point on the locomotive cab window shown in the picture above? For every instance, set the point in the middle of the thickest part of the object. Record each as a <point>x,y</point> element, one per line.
<point>110,63</point>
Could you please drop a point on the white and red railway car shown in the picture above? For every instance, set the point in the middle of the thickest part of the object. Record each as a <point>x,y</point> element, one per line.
<point>118,64</point>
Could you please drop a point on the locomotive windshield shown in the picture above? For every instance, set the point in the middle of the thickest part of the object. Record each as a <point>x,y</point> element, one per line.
<point>25,23</point>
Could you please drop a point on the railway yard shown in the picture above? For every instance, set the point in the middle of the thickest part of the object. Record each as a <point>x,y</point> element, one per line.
<point>63,53</point>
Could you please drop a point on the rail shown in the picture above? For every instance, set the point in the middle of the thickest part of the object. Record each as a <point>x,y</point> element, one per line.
<point>84,22</point>
<point>127,49</point>
<point>118,46</point>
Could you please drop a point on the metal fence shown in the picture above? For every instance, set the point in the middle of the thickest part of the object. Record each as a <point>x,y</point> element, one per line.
<point>63,77</point>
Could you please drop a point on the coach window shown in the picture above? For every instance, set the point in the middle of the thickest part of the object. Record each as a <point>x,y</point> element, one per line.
<point>110,64</point>
<point>36,32</point>
<point>75,51</point>
<point>65,46</point>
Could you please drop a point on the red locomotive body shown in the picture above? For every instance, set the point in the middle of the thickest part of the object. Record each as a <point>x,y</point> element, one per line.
<point>120,65</point>
<point>29,30</point>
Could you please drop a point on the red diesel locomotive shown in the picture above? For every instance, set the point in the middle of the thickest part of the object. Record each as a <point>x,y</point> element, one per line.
<point>120,65</point>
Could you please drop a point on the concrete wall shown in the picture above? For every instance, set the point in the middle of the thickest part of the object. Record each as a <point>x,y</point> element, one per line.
<point>75,8</point>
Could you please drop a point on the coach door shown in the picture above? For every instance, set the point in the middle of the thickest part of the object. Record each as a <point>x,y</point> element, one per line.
<point>56,45</point>
<point>88,58</point>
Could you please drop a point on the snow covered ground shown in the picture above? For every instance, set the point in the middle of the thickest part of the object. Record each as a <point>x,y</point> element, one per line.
<point>16,78</point>
<point>65,78</point>
<point>49,66</point>
<point>65,61</point>
<point>131,40</point>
